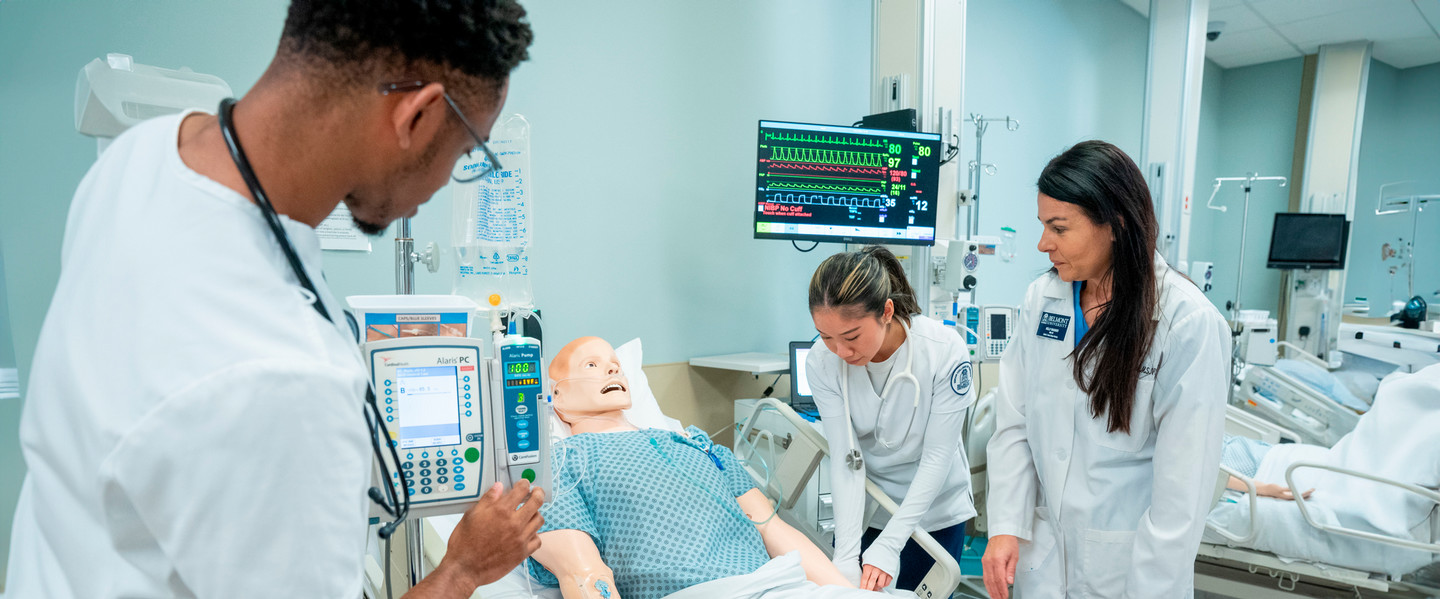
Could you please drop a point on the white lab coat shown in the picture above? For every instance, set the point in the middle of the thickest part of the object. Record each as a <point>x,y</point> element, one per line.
<point>927,473</point>
<point>1105,514</point>
<point>192,427</point>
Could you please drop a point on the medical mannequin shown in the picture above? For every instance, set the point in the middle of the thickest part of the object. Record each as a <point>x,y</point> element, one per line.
<point>590,393</point>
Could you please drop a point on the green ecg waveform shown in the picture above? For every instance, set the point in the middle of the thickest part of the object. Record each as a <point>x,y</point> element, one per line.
<point>821,139</point>
<point>784,154</point>
<point>823,187</point>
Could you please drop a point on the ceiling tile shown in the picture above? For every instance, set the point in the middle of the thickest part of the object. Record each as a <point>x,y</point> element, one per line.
<point>1288,11</point>
<point>1406,53</point>
<point>1399,22</point>
<point>1237,18</point>
<point>1240,42</point>
<point>1245,59</point>
<point>1431,10</point>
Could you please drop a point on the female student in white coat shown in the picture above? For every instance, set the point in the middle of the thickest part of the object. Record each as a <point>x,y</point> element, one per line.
<point>892,388</point>
<point>1111,401</point>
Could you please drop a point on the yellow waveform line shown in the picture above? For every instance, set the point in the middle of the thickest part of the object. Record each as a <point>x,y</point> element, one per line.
<point>785,154</point>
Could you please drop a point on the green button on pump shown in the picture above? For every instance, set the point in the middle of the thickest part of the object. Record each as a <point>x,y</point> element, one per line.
<point>472,454</point>
<point>528,474</point>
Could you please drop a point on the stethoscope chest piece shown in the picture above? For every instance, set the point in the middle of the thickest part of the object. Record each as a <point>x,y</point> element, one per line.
<point>853,460</point>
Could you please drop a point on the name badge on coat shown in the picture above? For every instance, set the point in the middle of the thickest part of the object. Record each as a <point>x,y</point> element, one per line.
<point>1053,326</point>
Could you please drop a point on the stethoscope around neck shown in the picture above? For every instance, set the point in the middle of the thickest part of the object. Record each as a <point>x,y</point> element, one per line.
<point>395,504</point>
<point>853,458</point>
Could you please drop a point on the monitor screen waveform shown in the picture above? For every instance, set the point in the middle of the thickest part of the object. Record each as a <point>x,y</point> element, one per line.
<point>846,185</point>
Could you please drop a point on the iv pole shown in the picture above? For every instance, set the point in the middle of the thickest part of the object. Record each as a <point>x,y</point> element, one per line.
<point>1413,204</point>
<point>972,225</point>
<point>405,259</point>
<point>1249,179</point>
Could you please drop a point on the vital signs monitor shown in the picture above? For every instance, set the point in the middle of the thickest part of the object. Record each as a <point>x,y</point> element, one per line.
<point>846,184</point>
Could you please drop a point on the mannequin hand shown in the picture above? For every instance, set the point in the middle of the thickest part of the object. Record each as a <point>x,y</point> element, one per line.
<point>873,579</point>
<point>1278,491</point>
<point>999,564</point>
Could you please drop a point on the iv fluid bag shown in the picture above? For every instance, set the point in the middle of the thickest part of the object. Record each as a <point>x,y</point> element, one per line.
<point>493,220</point>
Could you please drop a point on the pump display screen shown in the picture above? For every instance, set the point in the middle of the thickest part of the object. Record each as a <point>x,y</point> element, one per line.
<point>522,368</point>
<point>997,326</point>
<point>846,184</point>
<point>429,406</point>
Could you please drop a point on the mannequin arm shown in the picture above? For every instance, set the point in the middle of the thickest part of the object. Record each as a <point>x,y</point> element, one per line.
<point>572,557</point>
<point>781,538</point>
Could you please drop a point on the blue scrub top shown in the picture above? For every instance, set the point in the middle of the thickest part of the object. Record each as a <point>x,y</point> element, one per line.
<point>1080,325</point>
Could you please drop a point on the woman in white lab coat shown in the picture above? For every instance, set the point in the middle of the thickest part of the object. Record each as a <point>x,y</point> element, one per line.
<point>1111,401</point>
<point>892,388</point>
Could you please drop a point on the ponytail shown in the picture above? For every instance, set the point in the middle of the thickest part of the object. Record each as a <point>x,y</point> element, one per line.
<point>861,282</point>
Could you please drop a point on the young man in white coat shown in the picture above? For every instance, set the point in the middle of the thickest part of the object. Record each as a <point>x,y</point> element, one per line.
<point>194,423</point>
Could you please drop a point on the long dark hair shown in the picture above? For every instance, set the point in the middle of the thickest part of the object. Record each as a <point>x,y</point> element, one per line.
<point>1106,184</point>
<point>862,281</point>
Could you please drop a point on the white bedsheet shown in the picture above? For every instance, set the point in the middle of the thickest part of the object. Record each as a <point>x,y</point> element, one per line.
<point>1395,440</point>
<point>780,578</point>
<point>1285,533</point>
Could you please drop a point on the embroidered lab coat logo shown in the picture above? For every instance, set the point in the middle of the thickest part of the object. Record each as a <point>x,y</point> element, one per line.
<point>1053,326</point>
<point>960,379</point>
<point>1149,371</point>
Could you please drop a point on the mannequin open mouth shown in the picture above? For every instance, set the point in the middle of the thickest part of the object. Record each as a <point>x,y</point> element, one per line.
<point>612,387</point>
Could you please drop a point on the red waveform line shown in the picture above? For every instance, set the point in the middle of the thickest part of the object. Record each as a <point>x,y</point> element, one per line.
<point>833,169</point>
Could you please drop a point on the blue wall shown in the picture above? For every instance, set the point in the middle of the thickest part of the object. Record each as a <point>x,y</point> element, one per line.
<point>1400,142</point>
<point>1247,124</point>
<point>1069,71</point>
<point>12,465</point>
<point>643,116</point>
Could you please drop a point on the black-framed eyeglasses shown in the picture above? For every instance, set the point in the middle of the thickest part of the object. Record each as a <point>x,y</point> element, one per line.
<point>467,169</point>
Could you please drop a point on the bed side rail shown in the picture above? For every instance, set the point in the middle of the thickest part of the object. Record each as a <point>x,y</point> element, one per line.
<point>1242,423</point>
<point>1249,537</point>
<point>1426,493</point>
<point>1301,408</point>
<point>798,458</point>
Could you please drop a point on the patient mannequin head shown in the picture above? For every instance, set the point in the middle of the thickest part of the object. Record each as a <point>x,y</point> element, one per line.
<point>590,389</point>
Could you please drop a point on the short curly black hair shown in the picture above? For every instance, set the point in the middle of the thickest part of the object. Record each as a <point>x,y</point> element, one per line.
<point>480,38</point>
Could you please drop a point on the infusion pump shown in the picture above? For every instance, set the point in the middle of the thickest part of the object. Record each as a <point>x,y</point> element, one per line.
<point>994,325</point>
<point>458,420</point>
<point>999,330</point>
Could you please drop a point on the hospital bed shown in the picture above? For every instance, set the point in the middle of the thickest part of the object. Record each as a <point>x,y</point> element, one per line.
<point>780,451</point>
<point>1307,415</point>
<point>792,457</point>
<point>1230,568</point>
<point>783,453</point>
<point>1318,417</point>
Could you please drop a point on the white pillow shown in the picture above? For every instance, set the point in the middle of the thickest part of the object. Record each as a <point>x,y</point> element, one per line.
<point>644,411</point>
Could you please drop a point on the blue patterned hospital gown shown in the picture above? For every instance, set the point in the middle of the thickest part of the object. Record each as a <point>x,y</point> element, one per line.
<point>660,508</point>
